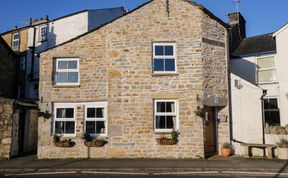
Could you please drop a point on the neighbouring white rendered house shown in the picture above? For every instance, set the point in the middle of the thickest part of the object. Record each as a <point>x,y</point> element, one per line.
<point>259,88</point>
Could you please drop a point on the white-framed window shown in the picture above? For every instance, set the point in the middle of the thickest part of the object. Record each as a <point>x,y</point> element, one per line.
<point>266,69</point>
<point>96,119</point>
<point>164,58</point>
<point>64,119</point>
<point>15,40</point>
<point>67,71</point>
<point>166,115</point>
<point>271,111</point>
<point>43,33</point>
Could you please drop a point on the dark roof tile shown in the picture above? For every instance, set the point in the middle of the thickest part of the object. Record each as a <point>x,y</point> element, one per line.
<point>255,45</point>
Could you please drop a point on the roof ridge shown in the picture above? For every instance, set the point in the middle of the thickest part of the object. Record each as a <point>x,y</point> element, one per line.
<point>265,34</point>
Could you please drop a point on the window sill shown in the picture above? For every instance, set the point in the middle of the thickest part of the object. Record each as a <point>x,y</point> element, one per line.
<point>268,83</point>
<point>163,132</point>
<point>164,74</point>
<point>67,86</point>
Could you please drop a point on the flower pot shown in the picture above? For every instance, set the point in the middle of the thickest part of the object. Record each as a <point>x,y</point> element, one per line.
<point>226,152</point>
<point>282,153</point>
<point>95,143</point>
<point>166,141</point>
<point>63,144</point>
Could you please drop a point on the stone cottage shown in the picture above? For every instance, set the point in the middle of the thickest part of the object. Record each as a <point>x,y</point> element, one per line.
<point>135,80</point>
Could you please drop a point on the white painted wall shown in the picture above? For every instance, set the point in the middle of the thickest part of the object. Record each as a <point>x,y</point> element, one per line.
<point>282,69</point>
<point>246,102</point>
<point>246,111</point>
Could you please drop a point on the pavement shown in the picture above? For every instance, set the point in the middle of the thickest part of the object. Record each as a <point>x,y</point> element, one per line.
<point>30,165</point>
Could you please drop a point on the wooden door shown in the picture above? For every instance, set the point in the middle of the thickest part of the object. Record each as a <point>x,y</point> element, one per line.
<point>210,131</point>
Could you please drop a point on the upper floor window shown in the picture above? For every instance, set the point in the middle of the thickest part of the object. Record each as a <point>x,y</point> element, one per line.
<point>166,115</point>
<point>15,40</point>
<point>64,120</point>
<point>43,33</point>
<point>271,110</point>
<point>164,57</point>
<point>266,69</point>
<point>96,119</point>
<point>67,71</point>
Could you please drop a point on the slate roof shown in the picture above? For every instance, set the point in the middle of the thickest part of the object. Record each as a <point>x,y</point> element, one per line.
<point>255,45</point>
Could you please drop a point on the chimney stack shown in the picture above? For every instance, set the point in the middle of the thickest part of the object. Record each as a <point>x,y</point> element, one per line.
<point>237,31</point>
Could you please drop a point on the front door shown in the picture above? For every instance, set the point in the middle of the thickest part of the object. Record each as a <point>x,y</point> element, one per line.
<point>209,131</point>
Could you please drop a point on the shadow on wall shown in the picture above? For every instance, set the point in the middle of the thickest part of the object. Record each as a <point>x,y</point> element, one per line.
<point>244,69</point>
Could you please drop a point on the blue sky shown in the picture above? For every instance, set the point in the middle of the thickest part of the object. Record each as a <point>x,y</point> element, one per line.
<point>262,16</point>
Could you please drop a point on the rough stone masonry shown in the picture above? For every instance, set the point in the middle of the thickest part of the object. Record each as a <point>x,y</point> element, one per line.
<point>115,64</point>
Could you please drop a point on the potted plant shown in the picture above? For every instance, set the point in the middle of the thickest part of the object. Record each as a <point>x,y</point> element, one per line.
<point>62,143</point>
<point>282,148</point>
<point>89,142</point>
<point>163,140</point>
<point>226,149</point>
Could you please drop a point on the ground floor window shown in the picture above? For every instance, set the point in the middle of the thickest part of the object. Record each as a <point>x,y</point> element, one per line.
<point>96,119</point>
<point>271,110</point>
<point>165,115</point>
<point>64,120</point>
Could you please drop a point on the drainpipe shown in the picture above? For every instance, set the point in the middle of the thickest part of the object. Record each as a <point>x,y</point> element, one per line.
<point>263,118</point>
<point>31,78</point>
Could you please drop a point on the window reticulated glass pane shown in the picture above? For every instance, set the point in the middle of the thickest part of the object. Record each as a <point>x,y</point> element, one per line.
<point>69,113</point>
<point>69,127</point>
<point>72,77</point>
<point>169,51</point>
<point>169,64</point>
<point>160,122</point>
<point>72,64</point>
<point>60,113</point>
<point>100,127</point>
<point>64,113</point>
<point>267,75</point>
<point>59,127</point>
<point>267,62</point>
<point>170,107</point>
<point>100,112</point>
<point>91,113</point>
<point>90,127</point>
<point>159,50</point>
<point>272,117</point>
<point>62,77</point>
<point>62,64</point>
<point>161,107</point>
<point>169,122</point>
<point>270,103</point>
<point>158,64</point>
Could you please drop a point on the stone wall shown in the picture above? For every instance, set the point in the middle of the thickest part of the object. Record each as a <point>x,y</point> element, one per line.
<point>6,127</point>
<point>115,66</point>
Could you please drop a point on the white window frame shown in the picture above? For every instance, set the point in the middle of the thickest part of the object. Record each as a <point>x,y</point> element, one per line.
<point>165,57</point>
<point>67,70</point>
<point>266,69</point>
<point>41,37</point>
<point>65,105</point>
<point>104,105</point>
<point>176,114</point>
<point>16,40</point>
